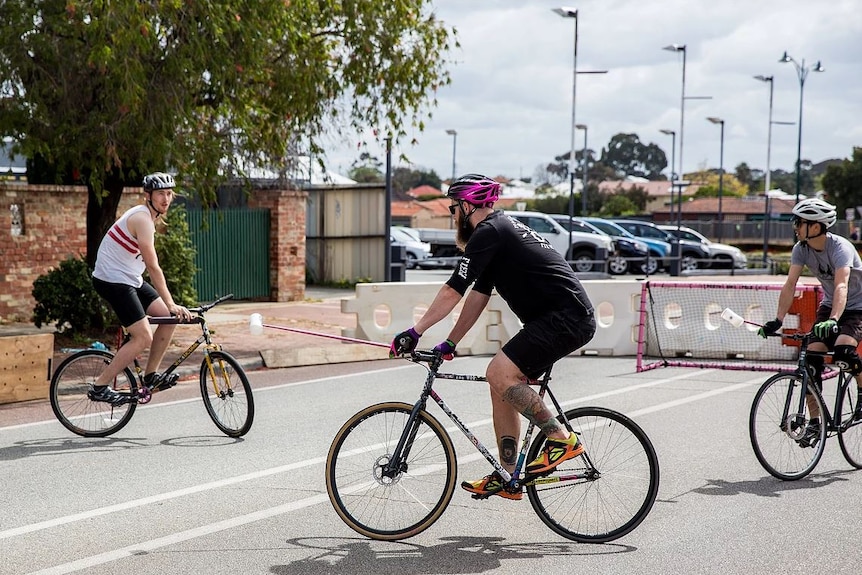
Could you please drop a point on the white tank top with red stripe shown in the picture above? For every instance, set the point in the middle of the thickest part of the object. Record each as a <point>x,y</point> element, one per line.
<point>119,259</point>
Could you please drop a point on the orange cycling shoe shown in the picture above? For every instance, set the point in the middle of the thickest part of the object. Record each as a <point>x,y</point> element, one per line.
<point>555,452</point>
<point>490,485</point>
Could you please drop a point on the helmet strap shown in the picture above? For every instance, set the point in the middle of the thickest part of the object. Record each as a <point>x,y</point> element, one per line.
<point>152,207</point>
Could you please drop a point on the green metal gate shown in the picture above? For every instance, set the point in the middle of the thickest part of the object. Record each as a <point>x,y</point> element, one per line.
<point>232,252</point>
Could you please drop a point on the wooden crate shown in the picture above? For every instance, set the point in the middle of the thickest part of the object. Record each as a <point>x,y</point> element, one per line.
<point>25,364</point>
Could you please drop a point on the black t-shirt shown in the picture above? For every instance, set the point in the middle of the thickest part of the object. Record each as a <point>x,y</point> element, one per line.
<point>526,270</point>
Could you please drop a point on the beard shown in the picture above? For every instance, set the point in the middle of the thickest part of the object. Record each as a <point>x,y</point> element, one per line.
<point>465,230</point>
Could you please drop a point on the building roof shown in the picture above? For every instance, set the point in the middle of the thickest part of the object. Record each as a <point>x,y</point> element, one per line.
<point>746,205</point>
<point>661,188</point>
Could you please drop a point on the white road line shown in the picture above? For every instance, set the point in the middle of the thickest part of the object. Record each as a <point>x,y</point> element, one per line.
<point>175,538</point>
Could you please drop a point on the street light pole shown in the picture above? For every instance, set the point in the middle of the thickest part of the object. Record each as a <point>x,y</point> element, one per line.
<point>584,170</point>
<point>672,134</point>
<point>802,74</point>
<point>566,12</point>
<point>720,176</point>
<point>767,186</point>
<point>454,135</point>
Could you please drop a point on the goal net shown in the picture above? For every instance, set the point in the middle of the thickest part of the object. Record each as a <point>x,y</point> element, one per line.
<point>681,326</point>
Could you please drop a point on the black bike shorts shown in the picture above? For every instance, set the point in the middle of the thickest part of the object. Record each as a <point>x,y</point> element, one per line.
<point>552,336</point>
<point>850,323</point>
<point>128,302</point>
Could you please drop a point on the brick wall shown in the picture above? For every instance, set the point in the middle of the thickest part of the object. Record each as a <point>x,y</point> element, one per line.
<point>287,247</point>
<point>53,227</point>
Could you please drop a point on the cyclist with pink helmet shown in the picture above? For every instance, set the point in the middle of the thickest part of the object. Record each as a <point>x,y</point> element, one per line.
<point>538,284</point>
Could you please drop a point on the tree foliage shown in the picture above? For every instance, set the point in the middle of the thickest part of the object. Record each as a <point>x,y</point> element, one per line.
<point>843,183</point>
<point>710,181</point>
<point>107,91</point>
<point>627,156</point>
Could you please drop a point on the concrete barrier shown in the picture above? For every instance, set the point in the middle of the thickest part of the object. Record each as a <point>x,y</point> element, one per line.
<point>385,309</point>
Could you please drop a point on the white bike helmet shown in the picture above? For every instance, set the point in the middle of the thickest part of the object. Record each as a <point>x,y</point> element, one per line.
<point>816,210</point>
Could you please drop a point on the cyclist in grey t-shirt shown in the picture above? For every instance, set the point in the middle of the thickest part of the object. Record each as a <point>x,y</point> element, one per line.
<point>835,263</point>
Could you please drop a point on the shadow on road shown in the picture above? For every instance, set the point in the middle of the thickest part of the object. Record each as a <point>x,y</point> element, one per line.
<point>456,555</point>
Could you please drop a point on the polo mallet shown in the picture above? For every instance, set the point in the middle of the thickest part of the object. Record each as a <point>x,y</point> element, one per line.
<point>256,325</point>
<point>735,319</point>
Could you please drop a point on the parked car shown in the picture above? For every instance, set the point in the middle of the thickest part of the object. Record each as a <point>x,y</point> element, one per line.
<point>587,252</point>
<point>631,254</point>
<point>692,254</point>
<point>415,250</point>
<point>659,250</point>
<point>722,256</point>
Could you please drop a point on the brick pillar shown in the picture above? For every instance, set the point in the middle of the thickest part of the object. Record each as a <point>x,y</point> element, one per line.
<point>287,241</point>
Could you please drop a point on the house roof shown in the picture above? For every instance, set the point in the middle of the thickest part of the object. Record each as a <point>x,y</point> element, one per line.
<point>660,188</point>
<point>746,205</point>
<point>424,190</point>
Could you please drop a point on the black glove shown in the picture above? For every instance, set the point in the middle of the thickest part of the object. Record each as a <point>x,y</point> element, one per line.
<point>404,342</point>
<point>769,328</point>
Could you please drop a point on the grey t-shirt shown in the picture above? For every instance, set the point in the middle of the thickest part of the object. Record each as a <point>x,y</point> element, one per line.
<point>838,253</point>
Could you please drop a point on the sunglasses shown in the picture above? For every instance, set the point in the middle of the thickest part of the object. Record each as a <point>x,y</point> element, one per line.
<point>797,221</point>
<point>452,208</point>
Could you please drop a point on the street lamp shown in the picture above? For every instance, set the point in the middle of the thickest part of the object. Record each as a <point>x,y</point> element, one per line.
<point>672,134</point>
<point>767,186</point>
<point>720,175</point>
<point>584,174</point>
<point>567,12</point>
<point>454,135</point>
<point>802,74</point>
<point>682,48</point>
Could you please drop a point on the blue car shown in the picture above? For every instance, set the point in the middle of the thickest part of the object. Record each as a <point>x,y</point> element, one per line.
<point>659,251</point>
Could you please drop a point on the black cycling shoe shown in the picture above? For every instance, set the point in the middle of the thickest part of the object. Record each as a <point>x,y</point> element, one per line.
<point>159,382</point>
<point>811,435</point>
<point>105,394</point>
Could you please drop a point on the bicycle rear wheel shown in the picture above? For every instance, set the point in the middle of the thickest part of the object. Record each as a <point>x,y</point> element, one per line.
<point>606,493</point>
<point>850,430</point>
<point>227,394</point>
<point>77,412</point>
<point>390,508</point>
<point>776,428</point>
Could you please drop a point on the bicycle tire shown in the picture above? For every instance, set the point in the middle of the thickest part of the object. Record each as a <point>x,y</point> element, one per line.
<point>389,509</point>
<point>850,430</point>
<point>231,410</point>
<point>77,412</point>
<point>775,437</point>
<point>613,503</point>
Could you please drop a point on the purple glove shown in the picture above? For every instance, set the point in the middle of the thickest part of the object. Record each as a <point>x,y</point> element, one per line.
<point>446,349</point>
<point>405,342</point>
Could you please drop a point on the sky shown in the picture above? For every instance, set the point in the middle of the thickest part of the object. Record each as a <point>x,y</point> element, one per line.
<point>510,100</point>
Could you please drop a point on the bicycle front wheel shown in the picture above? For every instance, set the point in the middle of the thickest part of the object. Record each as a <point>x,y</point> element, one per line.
<point>227,394</point>
<point>777,428</point>
<point>850,429</point>
<point>605,493</point>
<point>75,410</point>
<point>385,506</point>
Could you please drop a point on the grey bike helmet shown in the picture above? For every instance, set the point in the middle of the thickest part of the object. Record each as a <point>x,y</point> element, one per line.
<point>158,181</point>
<point>816,210</point>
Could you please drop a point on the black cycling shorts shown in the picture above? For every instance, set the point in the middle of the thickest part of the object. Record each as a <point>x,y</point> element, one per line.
<point>552,336</point>
<point>850,323</point>
<point>128,302</point>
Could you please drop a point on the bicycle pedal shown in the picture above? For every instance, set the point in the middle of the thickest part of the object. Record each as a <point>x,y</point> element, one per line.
<point>482,495</point>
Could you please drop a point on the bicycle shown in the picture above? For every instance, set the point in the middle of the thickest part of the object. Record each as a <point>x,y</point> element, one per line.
<point>224,386</point>
<point>390,472</point>
<point>780,416</point>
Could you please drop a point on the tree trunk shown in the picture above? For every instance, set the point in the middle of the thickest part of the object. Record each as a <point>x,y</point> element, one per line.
<point>101,214</point>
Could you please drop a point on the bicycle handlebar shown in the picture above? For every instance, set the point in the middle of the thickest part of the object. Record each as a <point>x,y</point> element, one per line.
<point>200,310</point>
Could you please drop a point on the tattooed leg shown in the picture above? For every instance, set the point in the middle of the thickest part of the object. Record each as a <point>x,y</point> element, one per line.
<point>523,398</point>
<point>508,450</point>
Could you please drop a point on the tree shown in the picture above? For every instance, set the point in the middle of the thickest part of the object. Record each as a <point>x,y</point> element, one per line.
<point>629,157</point>
<point>103,92</point>
<point>709,184</point>
<point>843,183</point>
<point>367,170</point>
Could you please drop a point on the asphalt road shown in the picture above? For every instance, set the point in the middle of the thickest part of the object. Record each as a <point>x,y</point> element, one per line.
<point>169,494</point>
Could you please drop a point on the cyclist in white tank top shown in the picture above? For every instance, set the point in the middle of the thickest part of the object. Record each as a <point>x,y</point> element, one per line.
<point>128,249</point>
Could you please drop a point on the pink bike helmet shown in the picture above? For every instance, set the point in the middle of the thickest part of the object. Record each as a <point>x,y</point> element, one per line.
<point>475,189</point>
